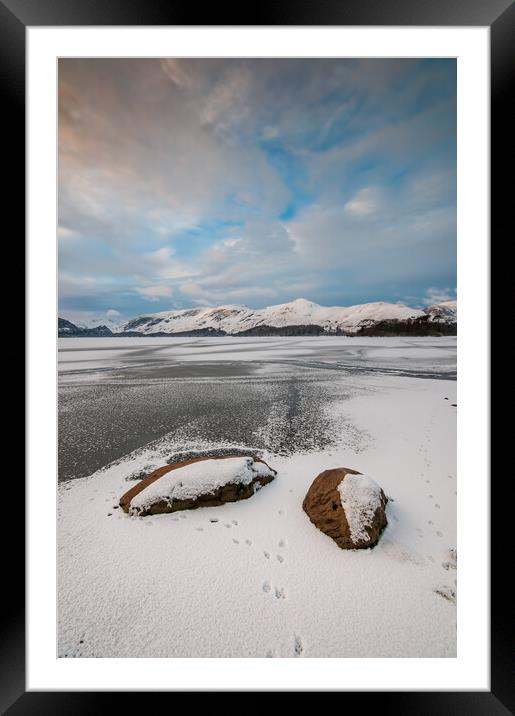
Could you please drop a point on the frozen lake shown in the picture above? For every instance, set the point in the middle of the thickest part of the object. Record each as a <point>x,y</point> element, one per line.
<point>275,394</point>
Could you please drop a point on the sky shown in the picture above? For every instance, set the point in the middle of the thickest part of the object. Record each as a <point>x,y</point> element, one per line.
<point>206,182</point>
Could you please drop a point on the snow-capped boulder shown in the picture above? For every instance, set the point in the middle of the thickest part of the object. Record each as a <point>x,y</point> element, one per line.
<point>347,506</point>
<point>200,482</point>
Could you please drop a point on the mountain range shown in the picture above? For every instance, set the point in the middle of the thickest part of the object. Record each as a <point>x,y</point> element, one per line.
<point>299,317</point>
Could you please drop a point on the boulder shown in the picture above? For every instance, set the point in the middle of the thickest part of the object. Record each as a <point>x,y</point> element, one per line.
<point>347,506</point>
<point>199,482</point>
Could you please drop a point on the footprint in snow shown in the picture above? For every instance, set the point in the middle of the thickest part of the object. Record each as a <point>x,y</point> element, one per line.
<point>282,543</point>
<point>437,506</point>
<point>439,534</point>
<point>280,593</point>
<point>448,565</point>
<point>280,558</point>
<point>267,587</point>
<point>298,646</point>
<point>267,555</point>
<point>447,593</point>
<point>248,542</point>
<point>235,522</point>
<point>214,519</point>
<point>236,541</point>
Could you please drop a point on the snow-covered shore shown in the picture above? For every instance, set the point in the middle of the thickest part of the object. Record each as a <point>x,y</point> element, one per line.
<point>256,578</point>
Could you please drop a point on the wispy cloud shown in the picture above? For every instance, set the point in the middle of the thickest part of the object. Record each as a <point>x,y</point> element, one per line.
<point>222,181</point>
<point>153,293</point>
<point>438,295</point>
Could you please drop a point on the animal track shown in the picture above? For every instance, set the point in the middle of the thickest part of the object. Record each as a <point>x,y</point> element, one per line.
<point>236,541</point>
<point>452,562</point>
<point>235,522</point>
<point>448,565</point>
<point>282,543</point>
<point>214,519</point>
<point>267,554</point>
<point>280,558</point>
<point>267,587</point>
<point>280,593</point>
<point>298,646</point>
<point>248,542</point>
<point>447,593</point>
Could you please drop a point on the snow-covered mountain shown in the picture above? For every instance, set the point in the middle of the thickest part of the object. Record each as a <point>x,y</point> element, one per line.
<point>97,322</point>
<point>444,312</point>
<point>67,329</point>
<point>301,316</point>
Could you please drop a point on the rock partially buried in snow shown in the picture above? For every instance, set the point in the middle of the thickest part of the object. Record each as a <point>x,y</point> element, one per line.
<point>200,482</point>
<point>347,506</point>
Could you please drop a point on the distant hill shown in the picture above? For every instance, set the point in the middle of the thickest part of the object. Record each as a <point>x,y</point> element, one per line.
<point>299,317</point>
<point>68,329</point>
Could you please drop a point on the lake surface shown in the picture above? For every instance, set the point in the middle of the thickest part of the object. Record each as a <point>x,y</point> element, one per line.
<point>275,394</point>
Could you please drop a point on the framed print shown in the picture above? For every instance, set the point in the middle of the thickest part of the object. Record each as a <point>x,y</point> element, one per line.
<point>253,239</point>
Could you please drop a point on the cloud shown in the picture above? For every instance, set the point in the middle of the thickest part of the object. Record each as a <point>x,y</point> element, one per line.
<point>112,313</point>
<point>177,72</point>
<point>63,232</point>
<point>365,201</point>
<point>154,293</point>
<point>254,181</point>
<point>438,295</point>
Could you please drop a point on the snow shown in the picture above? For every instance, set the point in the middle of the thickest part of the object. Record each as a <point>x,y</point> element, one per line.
<point>444,312</point>
<point>201,478</point>
<point>423,354</point>
<point>255,578</point>
<point>360,498</point>
<point>234,319</point>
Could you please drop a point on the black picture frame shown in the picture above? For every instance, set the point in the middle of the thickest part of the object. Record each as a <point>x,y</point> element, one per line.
<point>499,15</point>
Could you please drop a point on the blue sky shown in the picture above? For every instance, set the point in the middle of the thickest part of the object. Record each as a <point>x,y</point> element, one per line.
<point>205,182</point>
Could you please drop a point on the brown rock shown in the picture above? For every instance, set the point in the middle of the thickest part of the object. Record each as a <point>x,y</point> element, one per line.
<point>323,506</point>
<point>226,493</point>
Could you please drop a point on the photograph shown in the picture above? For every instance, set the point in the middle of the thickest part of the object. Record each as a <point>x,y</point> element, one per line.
<point>257,357</point>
